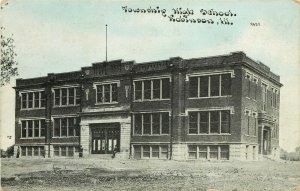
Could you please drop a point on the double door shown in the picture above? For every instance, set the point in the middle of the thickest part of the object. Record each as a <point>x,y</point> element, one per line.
<point>105,140</point>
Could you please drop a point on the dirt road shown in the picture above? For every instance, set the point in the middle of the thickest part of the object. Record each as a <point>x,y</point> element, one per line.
<point>97,174</point>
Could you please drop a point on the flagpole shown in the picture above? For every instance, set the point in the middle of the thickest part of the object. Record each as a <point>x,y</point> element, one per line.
<point>106,43</point>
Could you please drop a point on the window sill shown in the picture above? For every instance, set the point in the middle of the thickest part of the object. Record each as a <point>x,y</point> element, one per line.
<point>24,138</point>
<point>32,109</point>
<point>210,97</point>
<point>250,135</point>
<point>63,106</point>
<point>112,103</point>
<point>147,135</point>
<point>65,137</point>
<point>151,100</point>
<point>220,134</point>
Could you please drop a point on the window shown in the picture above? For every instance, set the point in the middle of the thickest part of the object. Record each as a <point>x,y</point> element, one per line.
<point>151,123</point>
<point>33,128</point>
<point>66,127</point>
<point>137,151</point>
<point>210,86</point>
<point>224,152</point>
<point>192,151</point>
<point>264,96</point>
<point>202,151</point>
<point>152,89</point>
<point>66,96</point>
<point>274,97</point>
<point>150,151</point>
<point>255,80</point>
<point>206,122</point>
<point>248,113</point>
<point>249,78</point>
<point>217,152</point>
<point>254,116</point>
<point>65,151</point>
<point>107,93</point>
<point>32,100</point>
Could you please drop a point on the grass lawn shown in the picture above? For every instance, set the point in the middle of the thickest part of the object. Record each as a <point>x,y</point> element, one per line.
<point>116,174</point>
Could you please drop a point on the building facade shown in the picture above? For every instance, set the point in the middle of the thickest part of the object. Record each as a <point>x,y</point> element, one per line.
<point>214,108</point>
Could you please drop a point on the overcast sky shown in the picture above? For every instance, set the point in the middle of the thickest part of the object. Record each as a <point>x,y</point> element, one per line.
<point>64,35</point>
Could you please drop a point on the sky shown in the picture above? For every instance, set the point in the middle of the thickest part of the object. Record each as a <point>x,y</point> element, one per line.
<point>53,36</point>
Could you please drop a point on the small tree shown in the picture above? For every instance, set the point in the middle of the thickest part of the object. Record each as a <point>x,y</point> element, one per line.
<point>8,62</point>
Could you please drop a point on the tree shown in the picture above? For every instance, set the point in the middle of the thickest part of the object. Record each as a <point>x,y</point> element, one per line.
<point>8,62</point>
<point>297,149</point>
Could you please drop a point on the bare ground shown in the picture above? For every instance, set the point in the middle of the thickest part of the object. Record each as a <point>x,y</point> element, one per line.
<point>100,174</point>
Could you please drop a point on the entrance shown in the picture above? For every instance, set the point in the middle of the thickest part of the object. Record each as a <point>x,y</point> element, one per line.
<point>266,142</point>
<point>105,137</point>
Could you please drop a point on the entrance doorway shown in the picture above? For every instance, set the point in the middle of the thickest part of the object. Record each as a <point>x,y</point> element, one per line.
<point>105,138</point>
<point>266,142</point>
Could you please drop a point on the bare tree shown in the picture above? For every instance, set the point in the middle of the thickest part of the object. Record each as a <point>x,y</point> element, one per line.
<point>8,62</point>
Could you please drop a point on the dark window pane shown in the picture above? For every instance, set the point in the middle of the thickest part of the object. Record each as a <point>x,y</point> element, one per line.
<point>107,93</point>
<point>203,122</point>
<point>138,124</point>
<point>64,96</point>
<point>63,151</point>
<point>30,128</point>
<point>147,123</point>
<point>193,87</point>
<point>71,126</point>
<point>64,127</point>
<point>23,151</point>
<point>36,99</point>
<point>155,151</point>
<point>137,151</point>
<point>193,122</point>
<point>24,100</point>
<point>24,129</point>
<point>43,99</point>
<point>57,127</point>
<point>114,92</point>
<point>192,150</point>
<point>156,123</point>
<point>30,99</point>
<point>165,88</point>
<point>99,94</point>
<point>77,127</point>
<point>138,90</point>
<point>57,96</point>
<point>163,152</point>
<point>36,128</point>
<point>78,95</point>
<point>225,123</point>
<point>43,128</point>
<point>36,151</point>
<point>70,151</point>
<point>204,86</point>
<point>71,96</point>
<point>213,152</point>
<point>156,89</point>
<point>147,89</point>
<point>224,152</point>
<point>226,84</point>
<point>56,151</point>
<point>146,151</point>
<point>203,152</point>
<point>165,123</point>
<point>214,85</point>
<point>29,151</point>
<point>214,122</point>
